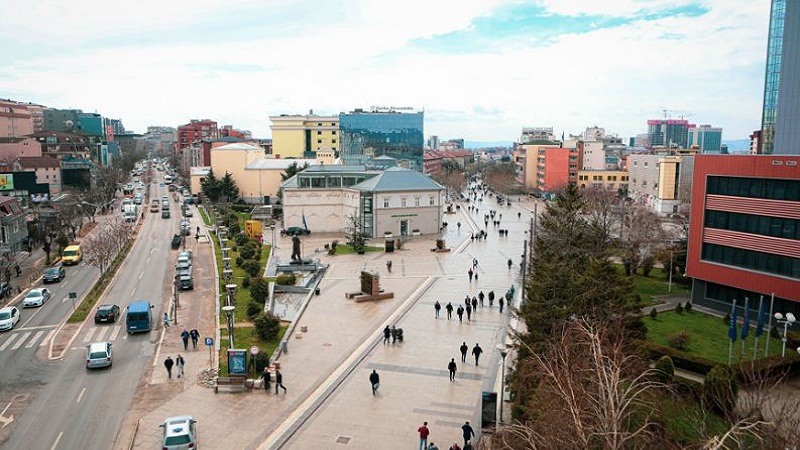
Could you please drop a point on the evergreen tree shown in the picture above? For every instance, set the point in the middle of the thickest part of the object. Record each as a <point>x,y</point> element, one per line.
<point>293,170</point>
<point>228,189</point>
<point>210,187</point>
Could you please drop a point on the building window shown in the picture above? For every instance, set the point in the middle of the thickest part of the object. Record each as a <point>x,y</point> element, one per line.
<point>319,132</point>
<point>753,260</point>
<point>319,124</point>
<point>319,141</point>
<point>416,201</point>
<point>385,202</point>
<point>403,202</point>
<point>333,141</point>
<point>333,132</point>
<point>432,200</point>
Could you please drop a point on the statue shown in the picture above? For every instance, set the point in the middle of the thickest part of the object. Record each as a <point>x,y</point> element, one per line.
<point>296,248</point>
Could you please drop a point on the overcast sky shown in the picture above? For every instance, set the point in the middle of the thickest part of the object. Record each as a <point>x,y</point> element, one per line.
<point>481,69</point>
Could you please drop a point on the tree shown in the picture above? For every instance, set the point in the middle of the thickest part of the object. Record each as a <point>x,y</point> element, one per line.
<point>228,189</point>
<point>501,178</point>
<point>267,325</point>
<point>259,290</point>
<point>100,247</point>
<point>356,237</point>
<point>45,229</point>
<point>210,187</point>
<point>643,237</point>
<point>293,170</point>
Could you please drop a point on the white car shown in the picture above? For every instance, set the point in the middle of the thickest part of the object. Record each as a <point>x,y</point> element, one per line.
<point>179,433</point>
<point>9,316</point>
<point>98,354</point>
<point>36,297</point>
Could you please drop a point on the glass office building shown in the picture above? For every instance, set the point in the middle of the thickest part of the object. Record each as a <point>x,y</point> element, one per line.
<point>365,135</point>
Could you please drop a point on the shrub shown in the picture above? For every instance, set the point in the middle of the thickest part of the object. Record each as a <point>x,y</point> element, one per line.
<point>653,314</point>
<point>679,308</point>
<point>239,261</point>
<point>688,307</point>
<point>248,251</point>
<point>254,309</point>
<point>234,248</point>
<point>664,369</point>
<point>679,340</point>
<point>246,282</point>
<point>647,266</point>
<point>252,267</point>
<point>259,290</point>
<point>720,389</point>
<point>234,228</point>
<point>241,239</point>
<point>261,361</point>
<point>286,279</point>
<point>267,325</point>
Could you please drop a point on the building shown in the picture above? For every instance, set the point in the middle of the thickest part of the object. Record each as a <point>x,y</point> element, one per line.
<point>47,170</point>
<point>301,136</point>
<point>16,147</point>
<point>668,133</point>
<point>15,119</point>
<point>229,131</point>
<point>535,134</point>
<point>594,133</point>
<point>744,238</point>
<point>432,161</point>
<point>23,186</point>
<point>13,230</point>
<point>384,203</point>
<point>780,134</point>
<point>707,138</point>
<point>755,142</point>
<point>61,120</point>
<point>196,130</point>
<point>594,154</point>
<point>661,182</point>
<point>395,132</point>
<point>616,180</point>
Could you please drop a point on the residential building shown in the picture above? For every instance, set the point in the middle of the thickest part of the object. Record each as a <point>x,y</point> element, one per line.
<point>433,142</point>
<point>744,238</point>
<point>640,140</point>
<point>707,138</point>
<point>300,136</point>
<point>13,230</point>
<point>755,142</point>
<point>23,186</point>
<point>594,133</point>
<point>196,130</point>
<point>15,119</point>
<point>229,131</point>
<point>780,133</point>
<point>545,167</point>
<point>61,120</point>
<point>432,161</point>
<point>616,180</point>
<point>47,170</point>
<point>534,134</point>
<point>16,147</point>
<point>669,133</point>
<point>396,132</point>
<point>60,144</point>
<point>661,182</point>
<point>594,155</point>
<point>388,202</point>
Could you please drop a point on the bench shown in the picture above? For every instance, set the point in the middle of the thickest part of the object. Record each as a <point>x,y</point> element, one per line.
<point>232,382</point>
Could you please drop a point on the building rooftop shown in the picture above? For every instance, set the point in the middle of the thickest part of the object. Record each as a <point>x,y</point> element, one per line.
<point>278,163</point>
<point>238,146</point>
<point>399,179</point>
<point>38,161</point>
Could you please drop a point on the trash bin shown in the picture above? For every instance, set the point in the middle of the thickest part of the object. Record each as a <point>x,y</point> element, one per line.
<point>316,291</point>
<point>389,246</point>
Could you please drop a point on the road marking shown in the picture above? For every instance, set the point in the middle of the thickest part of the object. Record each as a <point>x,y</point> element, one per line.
<point>35,338</point>
<point>55,444</point>
<point>89,335</point>
<point>64,299</point>
<point>141,274</point>
<point>8,342</point>
<point>31,317</point>
<point>147,260</point>
<point>21,341</point>
<point>101,333</point>
<point>40,327</point>
<point>47,338</point>
<point>133,291</point>
<point>80,396</point>
<point>115,333</point>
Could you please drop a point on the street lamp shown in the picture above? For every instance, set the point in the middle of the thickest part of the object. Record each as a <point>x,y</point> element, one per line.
<point>671,250</point>
<point>786,320</point>
<point>503,353</point>
<point>229,312</point>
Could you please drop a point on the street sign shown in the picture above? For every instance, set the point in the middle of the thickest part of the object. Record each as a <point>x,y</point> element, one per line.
<point>209,341</point>
<point>73,295</point>
<point>254,350</point>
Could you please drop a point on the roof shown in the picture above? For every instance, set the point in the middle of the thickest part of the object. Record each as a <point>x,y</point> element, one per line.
<point>199,171</point>
<point>337,168</point>
<point>278,163</point>
<point>238,146</point>
<point>12,140</point>
<point>38,161</point>
<point>399,179</point>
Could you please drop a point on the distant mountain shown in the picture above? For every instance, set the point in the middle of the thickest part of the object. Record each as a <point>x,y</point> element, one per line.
<point>487,144</point>
<point>737,145</point>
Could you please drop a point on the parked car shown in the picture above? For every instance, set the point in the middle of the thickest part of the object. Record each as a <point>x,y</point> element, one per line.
<point>54,274</point>
<point>296,231</point>
<point>36,297</point>
<point>9,316</point>
<point>182,264</point>
<point>187,212</point>
<point>186,254</point>
<point>179,433</point>
<point>176,242</point>
<point>106,313</point>
<point>98,354</point>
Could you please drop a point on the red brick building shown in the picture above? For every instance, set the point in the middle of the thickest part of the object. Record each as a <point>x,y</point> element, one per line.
<point>196,130</point>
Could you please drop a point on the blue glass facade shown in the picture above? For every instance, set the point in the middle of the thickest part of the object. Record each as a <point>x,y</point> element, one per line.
<point>773,75</point>
<point>787,118</point>
<point>395,134</point>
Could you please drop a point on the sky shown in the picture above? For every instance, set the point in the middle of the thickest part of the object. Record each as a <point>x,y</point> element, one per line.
<point>480,69</point>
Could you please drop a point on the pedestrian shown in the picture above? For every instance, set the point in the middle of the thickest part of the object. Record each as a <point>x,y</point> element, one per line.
<point>279,381</point>
<point>468,432</point>
<point>464,349</point>
<point>455,446</point>
<point>460,312</point>
<point>394,334</point>
<point>195,335</point>
<point>432,446</point>
<point>185,337</point>
<point>423,435</point>
<point>474,304</point>
<point>474,263</point>
<point>480,297</point>
<point>166,320</point>
<point>389,265</point>
<point>500,302</point>
<point>387,332</point>
<point>470,273</point>
<point>519,215</point>
<point>452,367</point>
<point>491,298</point>
<point>476,276</point>
<point>180,362</point>
<point>469,312</point>
<point>374,380</point>
<point>17,269</point>
<point>267,377</point>
<point>476,352</point>
<point>449,309</point>
<point>168,364</point>
<point>510,263</point>
<point>437,307</point>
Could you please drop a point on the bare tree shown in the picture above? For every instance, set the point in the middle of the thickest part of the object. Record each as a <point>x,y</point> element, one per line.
<point>104,244</point>
<point>601,207</point>
<point>643,238</point>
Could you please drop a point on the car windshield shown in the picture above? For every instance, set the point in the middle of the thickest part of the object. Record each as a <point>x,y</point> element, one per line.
<point>177,440</point>
<point>70,252</point>
<point>104,310</point>
<point>52,270</point>
<point>97,355</point>
<point>33,294</point>
<point>5,315</point>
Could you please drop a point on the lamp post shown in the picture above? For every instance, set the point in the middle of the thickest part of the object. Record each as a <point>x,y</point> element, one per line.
<point>229,312</point>
<point>503,353</point>
<point>786,320</point>
<point>671,250</point>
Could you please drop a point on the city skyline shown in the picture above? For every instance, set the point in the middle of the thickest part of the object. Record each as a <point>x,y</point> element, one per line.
<point>481,70</point>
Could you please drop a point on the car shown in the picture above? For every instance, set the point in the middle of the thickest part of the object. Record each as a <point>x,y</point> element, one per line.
<point>98,355</point>
<point>54,274</point>
<point>182,264</point>
<point>106,313</point>
<point>6,290</point>
<point>179,433</point>
<point>296,231</point>
<point>186,282</point>
<point>176,242</point>
<point>186,254</point>
<point>36,297</point>
<point>188,213</point>
<point>161,184</point>
<point>183,272</point>
<point>9,316</point>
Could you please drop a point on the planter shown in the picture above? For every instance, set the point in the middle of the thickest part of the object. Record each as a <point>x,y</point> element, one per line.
<point>415,232</point>
<point>387,234</point>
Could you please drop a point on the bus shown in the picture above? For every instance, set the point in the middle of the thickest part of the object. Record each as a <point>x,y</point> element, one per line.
<point>139,317</point>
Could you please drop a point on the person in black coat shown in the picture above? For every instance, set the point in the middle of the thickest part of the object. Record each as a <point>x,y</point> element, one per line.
<point>449,309</point>
<point>168,363</point>
<point>267,377</point>
<point>374,380</point>
<point>452,367</point>
<point>279,381</point>
<point>464,350</point>
<point>468,433</point>
<point>476,352</point>
<point>387,332</point>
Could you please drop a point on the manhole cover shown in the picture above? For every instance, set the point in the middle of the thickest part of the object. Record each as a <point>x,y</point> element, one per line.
<point>343,440</point>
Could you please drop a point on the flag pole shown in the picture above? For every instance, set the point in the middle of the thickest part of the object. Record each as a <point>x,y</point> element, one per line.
<point>732,331</point>
<point>769,327</point>
<point>760,323</point>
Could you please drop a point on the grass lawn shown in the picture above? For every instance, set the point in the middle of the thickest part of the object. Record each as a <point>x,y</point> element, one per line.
<point>242,295</point>
<point>685,420</point>
<point>204,216</point>
<point>243,338</point>
<point>344,249</point>
<point>708,336</point>
<point>654,285</point>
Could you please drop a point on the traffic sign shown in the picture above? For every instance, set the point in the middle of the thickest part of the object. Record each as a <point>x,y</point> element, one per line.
<point>254,350</point>
<point>209,341</point>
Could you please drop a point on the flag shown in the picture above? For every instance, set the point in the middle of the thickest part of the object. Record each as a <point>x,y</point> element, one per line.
<point>732,332</point>
<point>305,225</point>
<point>746,327</point>
<point>762,317</point>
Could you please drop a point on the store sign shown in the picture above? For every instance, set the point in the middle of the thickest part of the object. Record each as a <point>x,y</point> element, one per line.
<point>6,182</point>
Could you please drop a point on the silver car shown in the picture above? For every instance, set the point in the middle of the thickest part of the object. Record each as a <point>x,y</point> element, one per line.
<point>179,433</point>
<point>36,297</point>
<point>98,354</point>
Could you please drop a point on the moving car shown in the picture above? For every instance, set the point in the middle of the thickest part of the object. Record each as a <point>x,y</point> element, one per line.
<point>176,242</point>
<point>106,313</point>
<point>296,231</point>
<point>72,255</point>
<point>36,297</point>
<point>98,354</point>
<point>9,316</point>
<point>54,274</point>
<point>179,433</point>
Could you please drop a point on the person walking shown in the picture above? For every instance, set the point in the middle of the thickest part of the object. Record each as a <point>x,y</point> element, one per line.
<point>185,337</point>
<point>279,381</point>
<point>267,377</point>
<point>437,307</point>
<point>423,435</point>
<point>166,320</point>
<point>180,362</point>
<point>470,273</point>
<point>468,433</point>
<point>389,265</point>
<point>510,263</point>
<point>501,302</point>
<point>449,309</point>
<point>476,352</point>
<point>452,367</point>
<point>474,304</point>
<point>455,446</point>
<point>168,363</point>
<point>474,263</point>
<point>387,332</point>
<point>195,335</point>
<point>481,297</point>
<point>491,298</point>
<point>460,312</point>
<point>464,350</point>
<point>469,312</point>
<point>374,380</point>
<point>393,332</point>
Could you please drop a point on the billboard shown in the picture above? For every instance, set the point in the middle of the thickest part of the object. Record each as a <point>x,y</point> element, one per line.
<point>6,182</point>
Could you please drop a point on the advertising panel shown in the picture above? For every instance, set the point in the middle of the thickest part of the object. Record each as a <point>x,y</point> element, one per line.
<point>237,362</point>
<point>6,182</point>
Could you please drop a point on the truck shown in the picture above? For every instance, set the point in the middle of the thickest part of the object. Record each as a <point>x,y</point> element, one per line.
<point>139,317</point>
<point>130,212</point>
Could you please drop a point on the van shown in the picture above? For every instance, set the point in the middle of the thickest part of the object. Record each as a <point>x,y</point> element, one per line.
<point>72,255</point>
<point>139,317</point>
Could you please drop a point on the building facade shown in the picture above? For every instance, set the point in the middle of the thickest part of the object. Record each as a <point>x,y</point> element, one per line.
<point>744,239</point>
<point>532,134</point>
<point>301,136</point>
<point>669,133</point>
<point>13,231</point>
<point>196,130</point>
<point>708,139</point>
<point>382,131</point>
<point>661,182</point>
<point>616,180</point>
<point>15,119</point>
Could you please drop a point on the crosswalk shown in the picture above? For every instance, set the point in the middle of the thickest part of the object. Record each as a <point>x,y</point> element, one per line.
<point>35,336</point>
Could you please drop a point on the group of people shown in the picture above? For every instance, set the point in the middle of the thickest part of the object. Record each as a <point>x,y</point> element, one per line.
<point>169,363</point>
<point>392,333</point>
<point>467,432</point>
<point>179,361</point>
<point>266,376</point>
<point>470,306</point>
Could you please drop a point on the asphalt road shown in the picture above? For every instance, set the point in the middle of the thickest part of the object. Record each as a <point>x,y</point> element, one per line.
<point>66,405</point>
